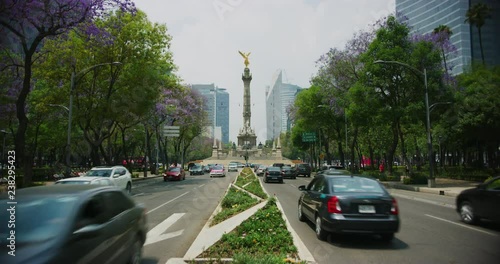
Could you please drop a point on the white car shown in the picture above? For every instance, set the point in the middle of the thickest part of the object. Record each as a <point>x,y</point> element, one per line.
<point>119,175</point>
<point>232,167</point>
<point>86,180</point>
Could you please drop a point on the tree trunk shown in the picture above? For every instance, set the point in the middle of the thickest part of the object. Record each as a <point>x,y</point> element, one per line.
<point>481,44</point>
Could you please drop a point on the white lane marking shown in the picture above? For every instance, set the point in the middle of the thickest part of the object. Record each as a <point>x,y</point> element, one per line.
<point>156,234</point>
<point>154,209</point>
<point>462,225</point>
<point>201,185</point>
<point>293,185</point>
<point>139,194</point>
<point>452,206</point>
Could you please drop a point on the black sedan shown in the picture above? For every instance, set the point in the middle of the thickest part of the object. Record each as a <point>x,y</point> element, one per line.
<point>273,174</point>
<point>480,202</point>
<point>348,204</point>
<point>288,172</point>
<point>71,224</point>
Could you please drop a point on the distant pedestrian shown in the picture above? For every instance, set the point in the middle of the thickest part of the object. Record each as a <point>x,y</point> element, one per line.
<point>381,167</point>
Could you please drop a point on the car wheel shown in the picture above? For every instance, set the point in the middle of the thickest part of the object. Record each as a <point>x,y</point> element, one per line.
<point>129,188</point>
<point>136,256</point>
<point>281,181</point>
<point>467,213</point>
<point>321,234</point>
<point>387,237</point>
<point>302,218</point>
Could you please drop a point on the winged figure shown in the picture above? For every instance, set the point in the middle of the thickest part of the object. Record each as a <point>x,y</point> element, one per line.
<point>245,56</point>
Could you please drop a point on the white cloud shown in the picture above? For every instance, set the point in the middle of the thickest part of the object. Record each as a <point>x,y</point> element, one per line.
<point>281,34</point>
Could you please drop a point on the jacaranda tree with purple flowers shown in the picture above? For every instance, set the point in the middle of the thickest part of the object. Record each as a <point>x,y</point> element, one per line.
<point>25,24</point>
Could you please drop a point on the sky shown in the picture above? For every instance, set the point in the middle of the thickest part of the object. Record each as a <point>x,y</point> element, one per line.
<point>290,35</point>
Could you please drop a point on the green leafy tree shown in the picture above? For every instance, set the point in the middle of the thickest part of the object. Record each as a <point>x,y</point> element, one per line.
<point>476,16</point>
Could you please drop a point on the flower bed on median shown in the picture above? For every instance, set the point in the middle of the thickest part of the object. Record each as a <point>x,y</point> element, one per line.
<point>248,181</point>
<point>234,202</point>
<point>262,236</point>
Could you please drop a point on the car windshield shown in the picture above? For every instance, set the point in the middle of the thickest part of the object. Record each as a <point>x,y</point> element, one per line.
<point>273,169</point>
<point>38,219</point>
<point>354,184</point>
<point>175,169</point>
<point>217,168</point>
<point>99,173</point>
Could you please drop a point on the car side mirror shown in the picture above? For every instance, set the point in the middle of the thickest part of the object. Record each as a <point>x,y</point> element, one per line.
<point>302,187</point>
<point>116,175</point>
<point>88,231</point>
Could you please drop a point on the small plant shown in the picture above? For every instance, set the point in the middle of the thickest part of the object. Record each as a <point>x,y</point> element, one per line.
<point>263,234</point>
<point>234,202</point>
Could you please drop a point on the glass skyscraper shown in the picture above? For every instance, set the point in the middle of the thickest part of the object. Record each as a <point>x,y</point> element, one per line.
<point>222,111</point>
<point>425,15</point>
<point>278,98</point>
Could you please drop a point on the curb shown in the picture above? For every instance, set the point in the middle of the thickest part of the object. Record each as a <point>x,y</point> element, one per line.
<point>146,178</point>
<point>446,191</point>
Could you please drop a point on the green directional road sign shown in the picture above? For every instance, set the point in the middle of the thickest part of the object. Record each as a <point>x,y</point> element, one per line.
<point>309,137</point>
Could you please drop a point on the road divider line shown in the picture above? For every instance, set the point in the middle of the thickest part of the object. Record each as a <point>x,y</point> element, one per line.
<point>154,209</point>
<point>201,185</point>
<point>139,194</point>
<point>462,225</point>
<point>156,234</point>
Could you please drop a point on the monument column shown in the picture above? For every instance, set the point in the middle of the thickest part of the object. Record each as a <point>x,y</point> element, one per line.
<point>246,137</point>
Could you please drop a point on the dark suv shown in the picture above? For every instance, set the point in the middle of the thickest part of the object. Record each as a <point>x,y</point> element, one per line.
<point>303,169</point>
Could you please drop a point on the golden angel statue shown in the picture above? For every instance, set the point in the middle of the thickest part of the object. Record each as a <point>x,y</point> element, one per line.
<point>245,56</point>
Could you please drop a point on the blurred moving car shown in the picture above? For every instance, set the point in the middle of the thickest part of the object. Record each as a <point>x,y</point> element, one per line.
<point>196,169</point>
<point>255,167</point>
<point>81,223</point>
<point>119,175</point>
<point>303,169</point>
<point>241,165</point>
<point>233,166</point>
<point>86,180</point>
<point>174,173</point>
<point>273,174</point>
<point>217,171</point>
<point>348,204</point>
<point>288,172</point>
<point>480,202</point>
<point>261,170</point>
<point>278,165</point>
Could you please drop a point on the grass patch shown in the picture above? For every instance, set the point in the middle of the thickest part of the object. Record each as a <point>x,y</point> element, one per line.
<point>248,181</point>
<point>234,202</point>
<point>263,236</point>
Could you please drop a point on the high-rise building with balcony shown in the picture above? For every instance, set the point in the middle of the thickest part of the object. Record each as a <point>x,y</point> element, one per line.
<point>426,15</point>
<point>219,96</point>
<point>279,97</point>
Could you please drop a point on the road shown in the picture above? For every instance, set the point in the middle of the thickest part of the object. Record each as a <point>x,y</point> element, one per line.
<point>431,232</point>
<point>176,212</point>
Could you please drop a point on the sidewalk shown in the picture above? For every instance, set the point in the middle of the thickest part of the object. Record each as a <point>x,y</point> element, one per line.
<point>448,187</point>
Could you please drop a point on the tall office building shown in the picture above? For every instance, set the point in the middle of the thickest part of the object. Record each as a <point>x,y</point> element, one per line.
<point>425,15</point>
<point>215,95</point>
<point>278,98</point>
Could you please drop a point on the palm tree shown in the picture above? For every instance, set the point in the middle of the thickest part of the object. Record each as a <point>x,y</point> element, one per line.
<point>444,32</point>
<point>476,15</point>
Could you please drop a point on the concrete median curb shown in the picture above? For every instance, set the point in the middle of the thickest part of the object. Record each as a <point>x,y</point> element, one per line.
<point>446,191</point>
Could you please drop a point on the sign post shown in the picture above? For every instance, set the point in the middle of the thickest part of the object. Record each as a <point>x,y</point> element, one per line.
<point>171,131</point>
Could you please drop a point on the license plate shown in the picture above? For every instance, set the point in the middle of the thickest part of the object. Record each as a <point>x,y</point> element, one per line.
<point>366,209</point>
<point>274,178</point>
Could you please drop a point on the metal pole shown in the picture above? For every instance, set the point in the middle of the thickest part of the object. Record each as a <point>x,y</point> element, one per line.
<point>3,153</point>
<point>70,114</point>
<point>431,181</point>
<point>346,144</point>
<point>145,152</point>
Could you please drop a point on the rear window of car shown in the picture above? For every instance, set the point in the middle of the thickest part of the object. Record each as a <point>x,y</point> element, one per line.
<point>355,184</point>
<point>174,169</point>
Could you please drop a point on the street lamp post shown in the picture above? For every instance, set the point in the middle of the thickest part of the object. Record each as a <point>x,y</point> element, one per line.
<point>431,181</point>
<point>74,81</point>
<point>3,153</point>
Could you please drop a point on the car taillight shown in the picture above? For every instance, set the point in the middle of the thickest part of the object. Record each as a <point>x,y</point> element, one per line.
<point>267,173</point>
<point>333,205</point>
<point>394,207</point>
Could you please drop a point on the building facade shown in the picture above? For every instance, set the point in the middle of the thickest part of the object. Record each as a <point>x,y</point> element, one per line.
<point>425,15</point>
<point>215,96</point>
<point>279,97</point>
